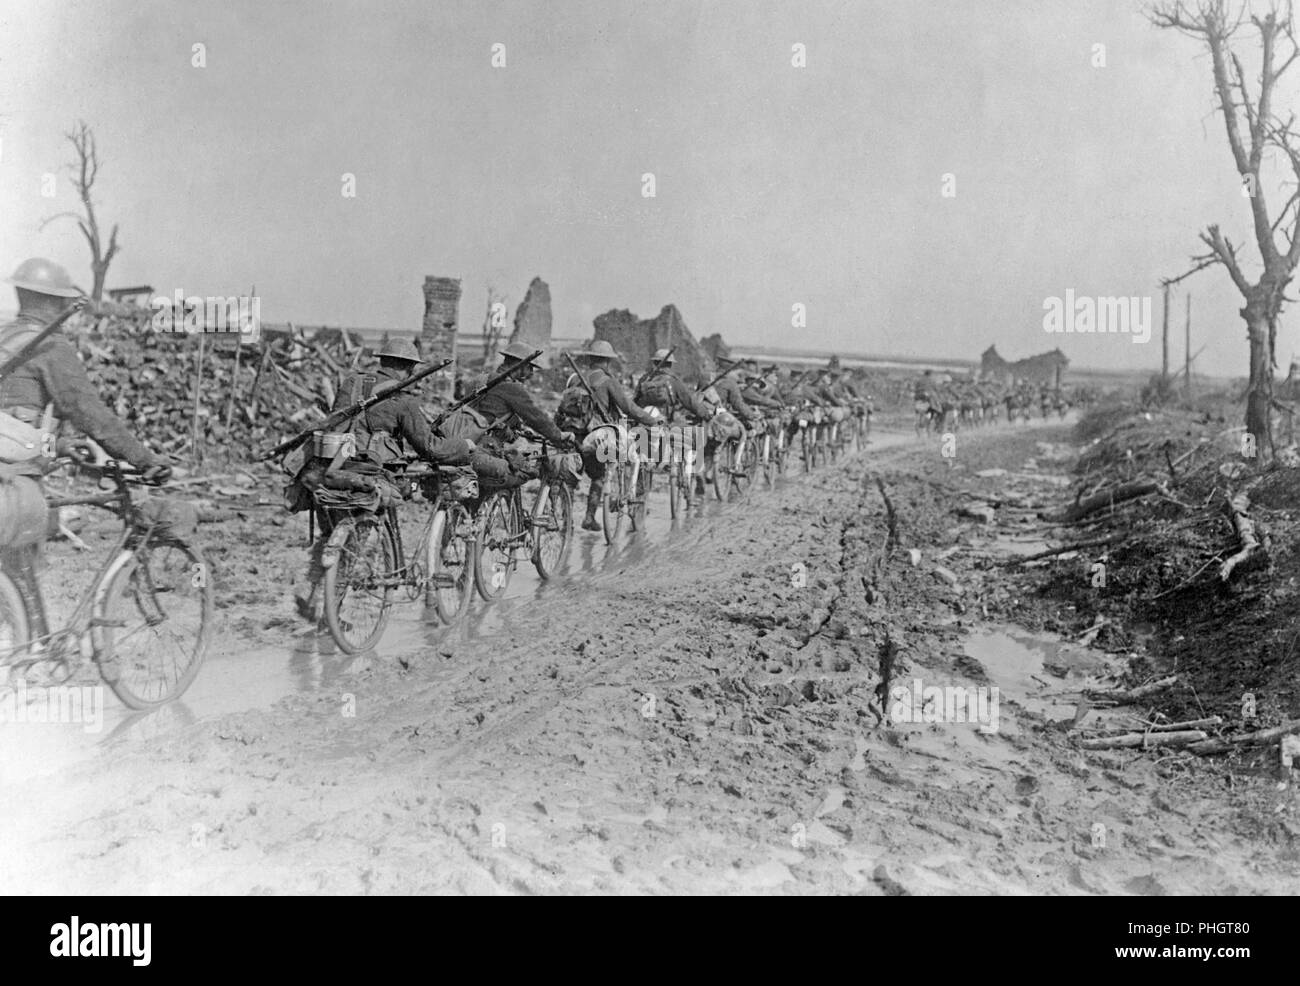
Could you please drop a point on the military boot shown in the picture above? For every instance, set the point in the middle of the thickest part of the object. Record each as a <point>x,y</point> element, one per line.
<point>589,522</point>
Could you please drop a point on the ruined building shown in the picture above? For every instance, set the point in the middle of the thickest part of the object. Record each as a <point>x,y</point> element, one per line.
<point>1043,368</point>
<point>637,339</point>
<point>438,335</point>
<point>533,317</point>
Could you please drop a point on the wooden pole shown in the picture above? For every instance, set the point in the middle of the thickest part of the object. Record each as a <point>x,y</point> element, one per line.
<point>234,378</point>
<point>1187,350</point>
<point>1164,340</point>
<point>198,379</point>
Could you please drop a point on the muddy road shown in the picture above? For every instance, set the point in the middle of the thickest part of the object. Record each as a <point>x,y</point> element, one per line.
<point>691,711</point>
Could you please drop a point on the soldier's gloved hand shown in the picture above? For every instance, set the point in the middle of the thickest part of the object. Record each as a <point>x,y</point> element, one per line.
<point>157,474</point>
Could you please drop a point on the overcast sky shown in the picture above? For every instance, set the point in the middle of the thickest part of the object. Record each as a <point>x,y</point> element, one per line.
<point>775,185</point>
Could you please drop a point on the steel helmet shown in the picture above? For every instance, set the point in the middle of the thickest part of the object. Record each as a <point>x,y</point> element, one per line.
<point>44,277</point>
<point>600,349</point>
<point>663,357</point>
<point>518,352</point>
<point>401,349</point>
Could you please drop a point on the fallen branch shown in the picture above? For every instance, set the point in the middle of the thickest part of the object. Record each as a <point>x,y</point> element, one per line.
<point>1173,727</point>
<point>1101,501</point>
<point>1145,740</point>
<point>1063,549</point>
<point>1224,744</point>
<point>1135,694</point>
<point>1246,537</point>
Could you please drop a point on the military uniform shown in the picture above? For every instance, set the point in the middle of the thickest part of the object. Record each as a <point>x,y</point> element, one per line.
<point>382,429</point>
<point>53,375</point>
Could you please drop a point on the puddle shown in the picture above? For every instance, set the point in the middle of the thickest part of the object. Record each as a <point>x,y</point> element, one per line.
<point>236,678</point>
<point>1016,546</point>
<point>1035,670</point>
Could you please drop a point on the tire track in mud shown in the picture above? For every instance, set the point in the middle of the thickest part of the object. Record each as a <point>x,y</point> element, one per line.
<point>526,762</point>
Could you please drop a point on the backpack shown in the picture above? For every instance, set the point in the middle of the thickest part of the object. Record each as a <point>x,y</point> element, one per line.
<point>576,410</point>
<point>22,441</point>
<point>656,391</point>
<point>465,422</point>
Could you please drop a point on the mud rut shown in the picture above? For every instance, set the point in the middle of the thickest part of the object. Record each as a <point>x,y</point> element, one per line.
<point>695,716</point>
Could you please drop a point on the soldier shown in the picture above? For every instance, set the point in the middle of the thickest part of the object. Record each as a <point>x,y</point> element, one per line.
<point>382,430</point>
<point>382,434</point>
<point>575,414</point>
<point>510,403</point>
<point>729,392</point>
<point>52,377</point>
<point>754,388</point>
<point>663,389</point>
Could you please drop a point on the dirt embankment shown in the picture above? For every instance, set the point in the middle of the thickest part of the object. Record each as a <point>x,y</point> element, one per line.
<point>699,713</point>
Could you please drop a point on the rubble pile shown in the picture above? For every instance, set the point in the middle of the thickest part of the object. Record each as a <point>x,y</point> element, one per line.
<point>248,397</point>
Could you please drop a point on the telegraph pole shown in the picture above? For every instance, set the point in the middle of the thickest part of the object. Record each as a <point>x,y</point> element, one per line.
<point>1164,341</point>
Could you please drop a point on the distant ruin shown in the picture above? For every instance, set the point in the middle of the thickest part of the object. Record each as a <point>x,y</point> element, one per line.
<point>1043,368</point>
<point>533,316</point>
<point>637,339</point>
<point>438,334</point>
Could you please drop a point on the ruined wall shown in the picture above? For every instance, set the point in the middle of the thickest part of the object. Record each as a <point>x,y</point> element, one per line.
<point>993,366</point>
<point>715,347</point>
<point>637,339</point>
<point>1041,368</point>
<point>533,317</point>
<point>438,334</point>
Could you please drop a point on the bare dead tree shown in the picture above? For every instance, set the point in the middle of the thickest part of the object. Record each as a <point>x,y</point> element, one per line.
<point>84,172</point>
<point>494,323</point>
<point>1255,131</point>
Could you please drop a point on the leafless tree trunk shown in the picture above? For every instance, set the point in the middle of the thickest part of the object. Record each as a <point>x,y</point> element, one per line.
<point>1252,128</point>
<point>84,172</point>
<point>494,322</point>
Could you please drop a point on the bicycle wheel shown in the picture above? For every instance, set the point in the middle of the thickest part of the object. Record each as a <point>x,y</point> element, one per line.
<point>767,461</point>
<point>15,630</point>
<point>742,476</point>
<point>722,472</point>
<point>636,507</point>
<point>613,501</point>
<point>450,563</point>
<point>359,584</point>
<point>152,622</point>
<point>498,535</point>
<point>552,527</point>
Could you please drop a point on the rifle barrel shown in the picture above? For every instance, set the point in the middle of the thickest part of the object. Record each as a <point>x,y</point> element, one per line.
<point>501,375</point>
<point>335,418</point>
<point>600,411</point>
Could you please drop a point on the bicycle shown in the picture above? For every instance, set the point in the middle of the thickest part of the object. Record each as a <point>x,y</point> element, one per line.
<point>146,618</point>
<point>505,529</point>
<point>683,471</point>
<point>365,561</point>
<point>627,485</point>
<point>771,452</point>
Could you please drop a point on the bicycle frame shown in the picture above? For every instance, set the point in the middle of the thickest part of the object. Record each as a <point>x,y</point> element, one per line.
<point>82,620</point>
